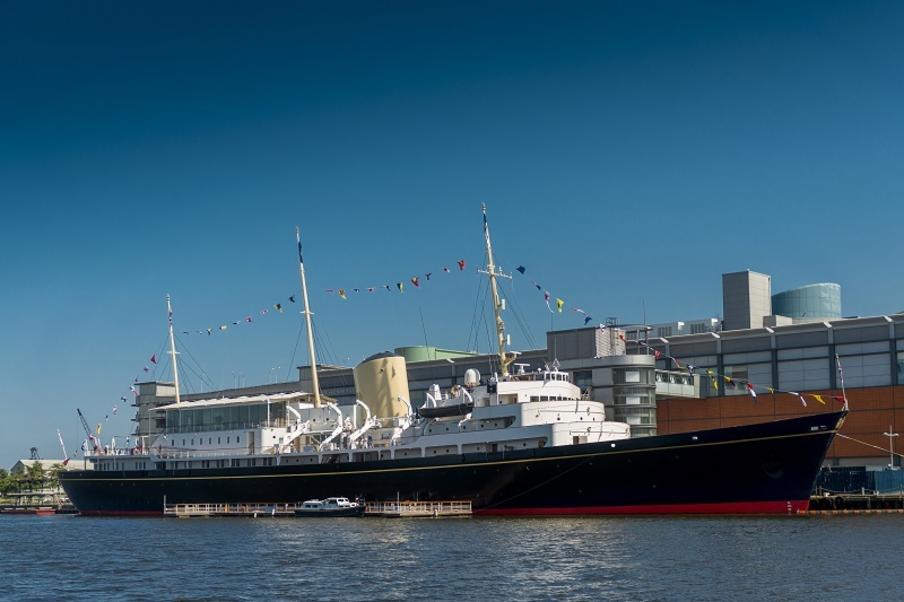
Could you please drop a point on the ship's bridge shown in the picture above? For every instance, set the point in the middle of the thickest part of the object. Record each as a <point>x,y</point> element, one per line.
<point>541,375</point>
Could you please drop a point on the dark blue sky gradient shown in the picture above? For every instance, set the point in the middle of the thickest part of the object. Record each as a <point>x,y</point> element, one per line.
<point>629,152</point>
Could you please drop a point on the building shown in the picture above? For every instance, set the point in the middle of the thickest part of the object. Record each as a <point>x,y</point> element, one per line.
<point>798,358</point>
<point>810,303</point>
<point>746,299</point>
<point>670,329</point>
<point>22,466</point>
<point>600,366</point>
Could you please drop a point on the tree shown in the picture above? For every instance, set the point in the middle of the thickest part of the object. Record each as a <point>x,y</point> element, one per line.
<point>54,478</point>
<point>35,476</point>
<point>11,482</point>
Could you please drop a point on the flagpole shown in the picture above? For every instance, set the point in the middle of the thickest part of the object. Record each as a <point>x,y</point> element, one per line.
<point>841,378</point>
<point>172,344</point>
<point>315,379</point>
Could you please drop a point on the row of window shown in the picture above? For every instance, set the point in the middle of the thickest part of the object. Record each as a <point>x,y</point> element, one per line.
<point>809,374</point>
<point>126,465</point>
<point>234,463</point>
<point>219,418</point>
<point>620,376</point>
<point>191,441</point>
<point>638,419</point>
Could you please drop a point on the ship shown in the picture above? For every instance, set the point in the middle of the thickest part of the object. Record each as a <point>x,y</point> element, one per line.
<point>517,442</point>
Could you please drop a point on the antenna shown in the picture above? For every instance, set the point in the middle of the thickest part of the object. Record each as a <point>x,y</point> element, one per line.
<point>424,328</point>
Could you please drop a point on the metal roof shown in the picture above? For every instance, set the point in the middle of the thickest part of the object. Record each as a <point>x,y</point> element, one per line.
<point>47,464</point>
<point>233,401</point>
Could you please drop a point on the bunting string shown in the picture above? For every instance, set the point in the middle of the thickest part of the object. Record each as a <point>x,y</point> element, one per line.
<point>554,304</point>
<point>396,286</point>
<point>560,303</point>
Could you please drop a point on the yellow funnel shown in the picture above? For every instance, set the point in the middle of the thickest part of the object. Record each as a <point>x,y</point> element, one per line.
<point>379,382</point>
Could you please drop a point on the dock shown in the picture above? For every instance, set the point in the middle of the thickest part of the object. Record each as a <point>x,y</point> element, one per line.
<point>416,509</point>
<point>234,510</point>
<point>856,504</point>
<point>393,509</point>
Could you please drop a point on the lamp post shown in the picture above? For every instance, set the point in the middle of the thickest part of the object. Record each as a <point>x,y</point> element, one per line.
<point>891,447</point>
<point>239,379</point>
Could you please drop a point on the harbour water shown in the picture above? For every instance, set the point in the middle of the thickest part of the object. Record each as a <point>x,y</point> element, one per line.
<point>268,559</point>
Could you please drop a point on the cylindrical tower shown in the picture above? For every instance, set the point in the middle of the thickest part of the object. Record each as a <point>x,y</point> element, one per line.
<point>379,382</point>
<point>810,303</point>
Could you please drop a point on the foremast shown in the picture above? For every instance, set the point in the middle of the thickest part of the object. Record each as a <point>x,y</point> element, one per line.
<point>172,345</point>
<point>505,357</point>
<point>315,379</point>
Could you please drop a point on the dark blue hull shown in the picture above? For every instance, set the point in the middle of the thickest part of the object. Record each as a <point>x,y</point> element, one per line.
<point>761,468</point>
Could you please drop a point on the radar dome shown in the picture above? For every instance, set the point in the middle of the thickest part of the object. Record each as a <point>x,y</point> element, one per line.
<point>472,378</point>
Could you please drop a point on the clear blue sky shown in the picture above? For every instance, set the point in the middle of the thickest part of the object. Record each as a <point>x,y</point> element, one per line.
<point>630,152</point>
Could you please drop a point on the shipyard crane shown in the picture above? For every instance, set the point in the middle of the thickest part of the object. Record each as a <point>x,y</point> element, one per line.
<point>87,428</point>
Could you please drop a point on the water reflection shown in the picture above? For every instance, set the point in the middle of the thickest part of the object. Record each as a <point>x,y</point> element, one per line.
<point>428,559</point>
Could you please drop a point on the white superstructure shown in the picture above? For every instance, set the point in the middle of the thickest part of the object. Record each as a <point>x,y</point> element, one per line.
<point>525,410</point>
<point>506,412</point>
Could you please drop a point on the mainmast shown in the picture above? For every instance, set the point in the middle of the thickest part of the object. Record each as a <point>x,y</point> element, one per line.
<point>505,358</point>
<point>307,318</point>
<point>172,345</point>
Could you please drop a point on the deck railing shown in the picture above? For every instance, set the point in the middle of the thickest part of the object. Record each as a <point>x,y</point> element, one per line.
<point>417,508</point>
<point>228,509</point>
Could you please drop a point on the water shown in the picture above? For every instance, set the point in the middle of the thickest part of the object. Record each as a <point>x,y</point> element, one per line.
<point>75,558</point>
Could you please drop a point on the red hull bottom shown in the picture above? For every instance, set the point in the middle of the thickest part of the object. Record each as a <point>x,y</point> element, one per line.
<point>781,507</point>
